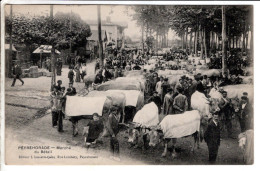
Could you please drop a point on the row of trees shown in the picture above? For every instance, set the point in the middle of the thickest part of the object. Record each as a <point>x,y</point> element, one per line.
<point>199,27</point>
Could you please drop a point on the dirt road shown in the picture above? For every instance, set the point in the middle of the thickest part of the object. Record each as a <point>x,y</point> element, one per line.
<point>28,122</point>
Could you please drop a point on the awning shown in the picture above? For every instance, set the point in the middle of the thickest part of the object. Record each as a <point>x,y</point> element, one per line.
<point>45,49</point>
<point>7,47</point>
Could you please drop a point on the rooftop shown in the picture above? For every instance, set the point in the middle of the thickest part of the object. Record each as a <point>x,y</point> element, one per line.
<point>108,22</point>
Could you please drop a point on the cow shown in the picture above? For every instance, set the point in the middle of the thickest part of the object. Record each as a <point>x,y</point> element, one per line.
<point>118,99</point>
<point>209,73</point>
<point>203,104</point>
<point>177,126</point>
<point>134,102</point>
<point>89,79</point>
<point>236,91</point>
<point>246,143</point>
<point>133,73</point>
<point>247,79</point>
<point>105,113</point>
<point>114,85</point>
<point>137,79</point>
<point>145,118</point>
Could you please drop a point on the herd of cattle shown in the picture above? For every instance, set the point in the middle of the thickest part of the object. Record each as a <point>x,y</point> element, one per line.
<point>142,120</point>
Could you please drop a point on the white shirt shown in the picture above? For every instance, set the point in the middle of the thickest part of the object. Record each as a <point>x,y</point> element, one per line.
<point>244,105</point>
<point>159,87</point>
<point>215,122</point>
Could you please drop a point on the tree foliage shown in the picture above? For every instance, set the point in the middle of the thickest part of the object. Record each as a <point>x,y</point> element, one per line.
<point>186,19</point>
<point>59,31</point>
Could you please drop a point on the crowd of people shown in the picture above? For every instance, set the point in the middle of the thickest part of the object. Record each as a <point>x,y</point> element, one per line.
<point>170,99</point>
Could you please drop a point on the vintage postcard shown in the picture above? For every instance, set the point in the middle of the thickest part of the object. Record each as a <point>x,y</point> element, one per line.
<point>102,84</point>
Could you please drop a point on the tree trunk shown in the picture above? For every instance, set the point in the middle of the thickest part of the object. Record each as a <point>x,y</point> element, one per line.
<point>246,42</point>
<point>204,43</point>
<point>201,42</point>
<point>182,42</point>
<point>9,56</point>
<point>100,39</point>
<point>186,39</point>
<point>157,40</point>
<point>53,56</point>
<point>243,43</point>
<point>236,42</point>
<point>190,43</point>
<point>224,40</point>
<point>195,43</point>
<point>251,42</point>
<point>143,38</point>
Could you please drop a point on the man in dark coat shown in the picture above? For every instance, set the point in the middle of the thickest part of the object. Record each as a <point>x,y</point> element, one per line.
<point>71,76</point>
<point>212,138</point>
<point>17,72</point>
<point>245,114</point>
<point>113,128</point>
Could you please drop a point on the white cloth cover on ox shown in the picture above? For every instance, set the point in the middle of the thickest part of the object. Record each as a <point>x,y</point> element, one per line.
<point>148,116</point>
<point>199,102</point>
<point>77,106</point>
<point>180,125</point>
<point>131,96</point>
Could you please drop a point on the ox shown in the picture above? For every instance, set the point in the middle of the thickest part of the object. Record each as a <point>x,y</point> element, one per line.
<point>88,80</point>
<point>207,106</point>
<point>145,118</point>
<point>177,126</point>
<point>118,99</point>
<point>84,110</point>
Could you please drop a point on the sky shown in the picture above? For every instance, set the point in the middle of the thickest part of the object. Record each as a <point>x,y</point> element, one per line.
<point>86,12</point>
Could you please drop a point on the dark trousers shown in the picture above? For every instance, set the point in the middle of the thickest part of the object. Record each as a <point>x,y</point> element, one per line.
<point>228,125</point>
<point>242,123</point>
<point>213,152</point>
<point>71,80</point>
<point>114,146</point>
<point>57,120</point>
<point>17,77</point>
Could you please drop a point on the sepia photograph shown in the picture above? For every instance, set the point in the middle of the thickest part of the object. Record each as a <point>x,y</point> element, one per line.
<point>133,84</point>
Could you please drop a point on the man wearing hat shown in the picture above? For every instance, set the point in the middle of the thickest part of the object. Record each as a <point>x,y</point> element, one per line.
<point>245,114</point>
<point>56,109</point>
<point>113,128</point>
<point>59,82</point>
<point>17,72</point>
<point>157,100</point>
<point>212,137</point>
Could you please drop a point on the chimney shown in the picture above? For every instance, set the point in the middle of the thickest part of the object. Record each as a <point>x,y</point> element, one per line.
<point>108,19</point>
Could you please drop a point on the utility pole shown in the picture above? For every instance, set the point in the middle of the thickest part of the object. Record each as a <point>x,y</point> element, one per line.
<point>70,29</point>
<point>224,40</point>
<point>9,60</point>
<point>100,49</point>
<point>53,57</point>
<point>143,38</point>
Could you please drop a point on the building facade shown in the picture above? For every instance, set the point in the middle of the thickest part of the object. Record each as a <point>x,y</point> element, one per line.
<point>114,31</point>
